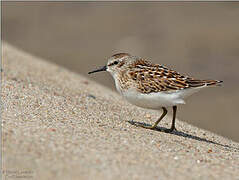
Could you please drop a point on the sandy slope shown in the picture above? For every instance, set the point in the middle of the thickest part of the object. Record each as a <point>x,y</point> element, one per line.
<point>59,125</point>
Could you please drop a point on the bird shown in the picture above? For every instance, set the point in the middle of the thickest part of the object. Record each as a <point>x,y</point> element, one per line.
<point>152,86</point>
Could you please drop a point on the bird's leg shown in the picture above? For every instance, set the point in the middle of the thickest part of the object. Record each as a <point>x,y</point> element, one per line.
<point>173,121</point>
<point>161,117</point>
<point>156,123</point>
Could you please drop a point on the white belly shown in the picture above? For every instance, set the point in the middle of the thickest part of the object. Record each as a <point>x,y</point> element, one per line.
<point>152,100</point>
<point>156,100</point>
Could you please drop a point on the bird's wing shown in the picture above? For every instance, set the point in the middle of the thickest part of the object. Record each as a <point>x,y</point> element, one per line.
<point>156,78</point>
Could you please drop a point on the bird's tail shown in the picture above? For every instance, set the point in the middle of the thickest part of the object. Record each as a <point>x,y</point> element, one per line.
<point>201,83</point>
<point>214,83</point>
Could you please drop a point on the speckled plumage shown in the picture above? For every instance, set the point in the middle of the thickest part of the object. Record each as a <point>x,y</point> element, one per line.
<point>153,78</point>
<point>151,86</point>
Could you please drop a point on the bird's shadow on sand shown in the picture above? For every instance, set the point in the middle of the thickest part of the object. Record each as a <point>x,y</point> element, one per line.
<point>182,134</point>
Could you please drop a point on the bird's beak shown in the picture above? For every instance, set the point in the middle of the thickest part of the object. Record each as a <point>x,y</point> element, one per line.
<point>98,70</point>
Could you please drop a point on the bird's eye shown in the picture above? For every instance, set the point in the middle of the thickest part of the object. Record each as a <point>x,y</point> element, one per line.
<point>116,62</point>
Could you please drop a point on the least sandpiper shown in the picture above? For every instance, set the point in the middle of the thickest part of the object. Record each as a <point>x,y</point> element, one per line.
<point>151,86</point>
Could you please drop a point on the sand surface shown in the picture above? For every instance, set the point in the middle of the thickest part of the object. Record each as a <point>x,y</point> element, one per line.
<point>196,39</point>
<point>60,125</point>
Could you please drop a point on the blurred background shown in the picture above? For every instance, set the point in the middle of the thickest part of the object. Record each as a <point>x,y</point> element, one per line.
<point>200,39</point>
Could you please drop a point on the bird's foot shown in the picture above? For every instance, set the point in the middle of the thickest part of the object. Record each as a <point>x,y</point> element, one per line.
<point>170,130</point>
